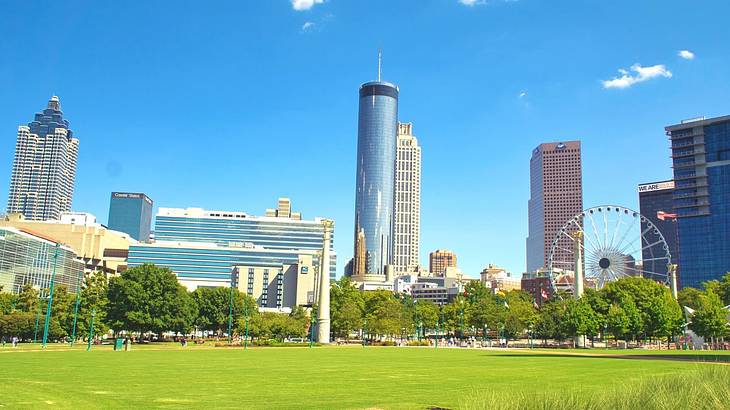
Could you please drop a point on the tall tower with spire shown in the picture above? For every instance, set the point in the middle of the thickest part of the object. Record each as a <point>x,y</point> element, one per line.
<point>374,193</point>
<point>44,168</point>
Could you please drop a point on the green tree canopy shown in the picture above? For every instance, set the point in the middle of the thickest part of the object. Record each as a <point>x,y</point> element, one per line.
<point>149,298</point>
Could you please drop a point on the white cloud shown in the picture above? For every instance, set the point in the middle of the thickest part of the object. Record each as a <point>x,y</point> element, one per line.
<point>642,74</point>
<point>523,94</point>
<point>472,2</point>
<point>307,26</point>
<point>686,54</point>
<point>304,4</point>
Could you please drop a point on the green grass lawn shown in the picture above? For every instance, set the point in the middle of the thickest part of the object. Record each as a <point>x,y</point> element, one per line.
<point>330,377</point>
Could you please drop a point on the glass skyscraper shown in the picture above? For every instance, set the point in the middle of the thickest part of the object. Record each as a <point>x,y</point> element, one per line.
<point>374,194</point>
<point>701,162</point>
<point>656,203</point>
<point>44,168</point>
<point>131,213</point>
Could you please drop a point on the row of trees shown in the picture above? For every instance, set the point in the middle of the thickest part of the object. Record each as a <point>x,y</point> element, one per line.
<point>149,300</point>
<point>144,300</point>
<point>630,309</point>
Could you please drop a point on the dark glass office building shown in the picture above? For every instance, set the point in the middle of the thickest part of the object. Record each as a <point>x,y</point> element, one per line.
<point>701,162</point>
<point>376,148</point>
<point>656,203</point>
<point>131,212</point>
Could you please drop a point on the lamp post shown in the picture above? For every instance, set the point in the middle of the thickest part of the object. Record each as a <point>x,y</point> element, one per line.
<point>415,319</point>
<point>76,308</point>
<point>37,316</point>
<point>364,333</point>
<point>245,320</point>
<point>461,302</point>
<point>50,296</point>
<point>91,330</point>
<point>230,311</point>
<point>311,329</point>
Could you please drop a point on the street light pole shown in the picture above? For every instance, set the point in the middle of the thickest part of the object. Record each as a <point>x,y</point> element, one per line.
<point>91,330</point>
<point>230,311</point>
<point>76,308</point>
<point>50,295</point>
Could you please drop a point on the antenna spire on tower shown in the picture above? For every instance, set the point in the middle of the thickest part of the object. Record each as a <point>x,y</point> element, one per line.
<point>380,62</point>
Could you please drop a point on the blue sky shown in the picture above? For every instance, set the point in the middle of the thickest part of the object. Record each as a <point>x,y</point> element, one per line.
<point>231,104</point>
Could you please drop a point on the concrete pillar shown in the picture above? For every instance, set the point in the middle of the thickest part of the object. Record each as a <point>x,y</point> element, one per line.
<point>580,340</point>
<point>672,270</point>
<point>323,308</point>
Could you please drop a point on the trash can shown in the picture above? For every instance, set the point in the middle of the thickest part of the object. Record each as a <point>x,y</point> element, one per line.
<point>118,344</point>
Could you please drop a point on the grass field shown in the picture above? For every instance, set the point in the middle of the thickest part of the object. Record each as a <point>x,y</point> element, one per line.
<point>167,376</point>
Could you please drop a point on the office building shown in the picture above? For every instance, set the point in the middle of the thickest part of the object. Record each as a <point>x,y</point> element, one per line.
<point>656,203</point>
<point>556,196</point>
<point>374,193</point>
<point>539,287</point>
<point>262,273</point>
<point>131,212</point>
<point>99,248</point>
<point>30,258</point>
<point>44,168</point>
<point>701,162</point>
<point>283,210</point>
<point>406,235</point>
<point>239,229</point>
<point>278,285</point>
<point>439,260</point>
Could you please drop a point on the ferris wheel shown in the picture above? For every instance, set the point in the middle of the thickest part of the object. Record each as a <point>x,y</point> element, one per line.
<point>616,242</point>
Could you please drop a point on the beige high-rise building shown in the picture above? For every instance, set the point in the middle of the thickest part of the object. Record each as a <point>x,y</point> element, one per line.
<point>406,233</point>
<point>439,260</point>
<point>283,210</point>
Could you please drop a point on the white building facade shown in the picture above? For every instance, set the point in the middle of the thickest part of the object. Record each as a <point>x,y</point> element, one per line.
<point>407,208</point>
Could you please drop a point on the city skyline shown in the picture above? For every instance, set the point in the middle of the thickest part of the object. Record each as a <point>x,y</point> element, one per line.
<point>466,109</point>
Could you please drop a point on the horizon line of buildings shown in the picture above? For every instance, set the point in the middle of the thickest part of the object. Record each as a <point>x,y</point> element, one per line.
<point>221,248</point>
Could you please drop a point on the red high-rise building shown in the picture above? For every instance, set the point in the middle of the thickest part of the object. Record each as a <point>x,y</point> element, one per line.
<point>556,196</point>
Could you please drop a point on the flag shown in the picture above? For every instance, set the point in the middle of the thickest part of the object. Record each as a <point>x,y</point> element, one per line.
<point>662,216</point>
<point>544,294</point>
<point>506,305</point>
<point>534,303</point>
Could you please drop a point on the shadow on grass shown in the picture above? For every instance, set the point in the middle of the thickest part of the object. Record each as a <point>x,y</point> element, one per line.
<point>699,357</point>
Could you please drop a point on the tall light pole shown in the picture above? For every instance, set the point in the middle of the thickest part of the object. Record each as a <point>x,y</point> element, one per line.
<point>38,315</point>
<point>230,311</point>
<point>50,295</point>
<point>91,330</point>
<point>76,308</point>
<point>323,308</point>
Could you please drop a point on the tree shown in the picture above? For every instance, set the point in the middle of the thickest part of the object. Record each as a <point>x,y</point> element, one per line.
<point>580,319</point>
<point>521,314</point>
<point>710,319</point>
<point>347,305</point>
<point>27,300</point>
<point>689,297</point>
<point>93,298</point>
<point>618,322</point>
<point>148,298</point>
<point>383,313</point>
<point>7,302</point>
<point>550,321</point>
<point>427,314</point>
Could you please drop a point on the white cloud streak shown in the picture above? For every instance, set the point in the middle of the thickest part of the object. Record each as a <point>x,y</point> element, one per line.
<point>523,94</point>
<point>472,3</point>
<point>300,5</point>
<point>642,74</point>
<point>308,26</point>
<point>686,54</point>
